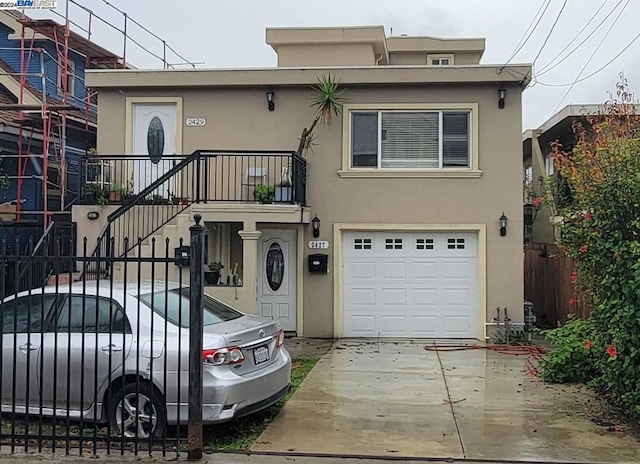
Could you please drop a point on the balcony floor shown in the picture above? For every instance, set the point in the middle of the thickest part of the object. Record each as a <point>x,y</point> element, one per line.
<point>258,212</point>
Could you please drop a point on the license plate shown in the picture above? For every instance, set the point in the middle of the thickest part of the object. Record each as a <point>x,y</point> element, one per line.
<point>261,354</point>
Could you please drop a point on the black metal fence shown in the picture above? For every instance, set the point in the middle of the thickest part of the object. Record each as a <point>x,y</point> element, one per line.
<point>102,366</point>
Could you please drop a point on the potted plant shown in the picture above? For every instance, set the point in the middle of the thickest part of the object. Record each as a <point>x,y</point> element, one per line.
<point>118,192</point>
<point>176,200</point>
<point>95,194</point>
<point>212,276</point>
<point>264,193</point>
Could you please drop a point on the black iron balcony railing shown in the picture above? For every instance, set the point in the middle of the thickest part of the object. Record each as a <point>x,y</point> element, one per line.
<point>232,176</point>
<point>152,194</point>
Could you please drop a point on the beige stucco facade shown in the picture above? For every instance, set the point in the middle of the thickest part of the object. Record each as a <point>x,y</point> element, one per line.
<point>234,106</point>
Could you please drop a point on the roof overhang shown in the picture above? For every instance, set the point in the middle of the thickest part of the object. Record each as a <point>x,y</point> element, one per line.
<point>370,75</point>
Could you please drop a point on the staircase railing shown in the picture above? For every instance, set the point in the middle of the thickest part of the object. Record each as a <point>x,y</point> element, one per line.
<point>202,177</point>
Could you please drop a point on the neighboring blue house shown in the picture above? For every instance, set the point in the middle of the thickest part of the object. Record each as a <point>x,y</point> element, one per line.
<point>43,50</point>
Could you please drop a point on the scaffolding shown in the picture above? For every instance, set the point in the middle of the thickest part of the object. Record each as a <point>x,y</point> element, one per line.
<point>51,117</point>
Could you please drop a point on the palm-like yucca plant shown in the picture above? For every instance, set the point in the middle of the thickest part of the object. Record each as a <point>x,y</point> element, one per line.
<point>327,101</point>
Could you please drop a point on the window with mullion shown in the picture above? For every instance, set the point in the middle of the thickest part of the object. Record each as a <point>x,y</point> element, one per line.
<point>410,139</point>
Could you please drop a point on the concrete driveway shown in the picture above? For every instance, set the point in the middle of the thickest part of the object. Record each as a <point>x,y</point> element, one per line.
<point>396,399</point>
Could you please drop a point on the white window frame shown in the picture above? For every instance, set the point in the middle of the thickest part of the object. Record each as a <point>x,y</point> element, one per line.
<point>439,57</point>
<point>71,76</point>
<point>347,171</point>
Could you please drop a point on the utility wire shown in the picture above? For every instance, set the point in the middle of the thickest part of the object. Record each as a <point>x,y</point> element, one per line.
<point>596,71</point>
<point>553,26</point>
<point>594,54</point>
<point>550,65</point>
<point>527,33</point>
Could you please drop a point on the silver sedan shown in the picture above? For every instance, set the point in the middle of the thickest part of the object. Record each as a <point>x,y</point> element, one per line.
<point>119,353</point>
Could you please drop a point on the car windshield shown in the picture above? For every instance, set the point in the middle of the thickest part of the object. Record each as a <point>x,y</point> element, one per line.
<point>174,306</point>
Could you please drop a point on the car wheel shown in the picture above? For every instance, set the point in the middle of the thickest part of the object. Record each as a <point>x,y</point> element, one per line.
<point>137,411</point>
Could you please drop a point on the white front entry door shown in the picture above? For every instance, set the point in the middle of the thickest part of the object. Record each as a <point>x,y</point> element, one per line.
<point>154,137</point>
<point>277,277</point>
<point>415,285</point>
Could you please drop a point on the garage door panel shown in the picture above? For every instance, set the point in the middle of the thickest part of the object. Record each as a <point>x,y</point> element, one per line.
<point>364,296</point>
<point>393,270</point>
<point>424,270</point>
<point>410,285</point>
<point>361,325</point>
<point>425,296</point>
<point>392,325</point>
<point>360,271</point>
<point>456,297</point>
<point>394,296</point>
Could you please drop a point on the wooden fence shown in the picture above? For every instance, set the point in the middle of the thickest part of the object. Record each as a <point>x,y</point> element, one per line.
<point>548,285</point>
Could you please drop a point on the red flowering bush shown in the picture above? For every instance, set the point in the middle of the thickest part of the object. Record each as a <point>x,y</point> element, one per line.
<point>601,232</point>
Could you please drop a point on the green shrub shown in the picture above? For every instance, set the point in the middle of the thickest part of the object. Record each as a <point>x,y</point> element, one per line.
<point>601,232</point>
<point>572,359</point>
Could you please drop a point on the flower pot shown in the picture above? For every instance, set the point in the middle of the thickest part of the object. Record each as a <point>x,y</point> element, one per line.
<point>211,277</point>
<point>115,197</point>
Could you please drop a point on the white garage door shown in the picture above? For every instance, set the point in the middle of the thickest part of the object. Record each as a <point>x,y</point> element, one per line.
<point>419,285</point>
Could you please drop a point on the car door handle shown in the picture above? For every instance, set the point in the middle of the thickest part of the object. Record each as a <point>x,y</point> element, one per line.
<point>27,347</point>
<point>111,348</point>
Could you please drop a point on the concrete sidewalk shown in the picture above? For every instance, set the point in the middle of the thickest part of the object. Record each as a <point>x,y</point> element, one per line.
<point>396,399</point>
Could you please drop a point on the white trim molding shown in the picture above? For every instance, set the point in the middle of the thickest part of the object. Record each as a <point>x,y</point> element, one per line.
<point>130,101</point>
<point>473,171</point>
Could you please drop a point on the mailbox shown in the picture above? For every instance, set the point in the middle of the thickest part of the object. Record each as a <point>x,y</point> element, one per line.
<point>182,255</point>
<point>319,263</point>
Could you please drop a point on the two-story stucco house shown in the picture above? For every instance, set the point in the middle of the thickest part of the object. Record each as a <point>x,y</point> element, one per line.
<point>408,184</point>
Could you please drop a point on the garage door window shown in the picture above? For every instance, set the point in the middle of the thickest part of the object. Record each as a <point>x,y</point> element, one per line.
<point>455,244</point>
<point>424,244</point>
<point>362,244</point>
<point>393,244</point>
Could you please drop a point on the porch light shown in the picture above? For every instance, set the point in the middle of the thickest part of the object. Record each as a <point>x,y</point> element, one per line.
<point>502,95</point>
<point>503,225</point>
<point>315,223</point>
<point>270,100</point>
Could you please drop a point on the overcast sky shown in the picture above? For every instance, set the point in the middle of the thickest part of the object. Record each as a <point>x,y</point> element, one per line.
<point>230,33</point>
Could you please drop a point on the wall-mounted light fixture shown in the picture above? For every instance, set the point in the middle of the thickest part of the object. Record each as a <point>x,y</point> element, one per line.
<point>502,95</point>
<point>270,100</point>
<point>93,215</point>
<point>503,225</point>
<point>315,223</point>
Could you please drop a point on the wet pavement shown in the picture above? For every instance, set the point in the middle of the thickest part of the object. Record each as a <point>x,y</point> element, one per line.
<point>396,399</point>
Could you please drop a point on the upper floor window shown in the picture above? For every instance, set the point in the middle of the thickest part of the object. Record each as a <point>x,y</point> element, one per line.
<point>439,60</point>
<point>70,78</point>
<point>411,139</point>
<point>549,164</point>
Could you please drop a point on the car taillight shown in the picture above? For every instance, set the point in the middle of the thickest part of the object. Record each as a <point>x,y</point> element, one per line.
<point>280,340</point>
<point>222,356</point>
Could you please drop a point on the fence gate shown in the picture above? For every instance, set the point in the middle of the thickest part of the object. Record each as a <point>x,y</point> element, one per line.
<point>97,362</point>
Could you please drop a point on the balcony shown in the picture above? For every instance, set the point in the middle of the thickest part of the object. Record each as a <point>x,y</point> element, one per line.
<point>213,178</point>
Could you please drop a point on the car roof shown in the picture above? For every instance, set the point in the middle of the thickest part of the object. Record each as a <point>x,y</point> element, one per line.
<point>107,288</point>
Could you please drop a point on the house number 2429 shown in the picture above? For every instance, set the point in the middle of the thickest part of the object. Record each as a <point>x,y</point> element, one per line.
<point>196,122</point>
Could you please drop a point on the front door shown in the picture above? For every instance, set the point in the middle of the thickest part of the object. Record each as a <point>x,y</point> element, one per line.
<point>154,142</point>
<point>277,277</point>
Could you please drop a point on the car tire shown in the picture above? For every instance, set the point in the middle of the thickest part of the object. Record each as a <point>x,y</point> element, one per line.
<point>141,401</point>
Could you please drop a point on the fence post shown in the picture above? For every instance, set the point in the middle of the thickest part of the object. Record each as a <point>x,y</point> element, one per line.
<point>196,306</point>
